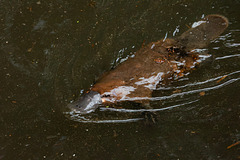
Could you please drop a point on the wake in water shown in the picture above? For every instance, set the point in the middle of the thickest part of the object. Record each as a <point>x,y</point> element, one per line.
<point>123,115</point>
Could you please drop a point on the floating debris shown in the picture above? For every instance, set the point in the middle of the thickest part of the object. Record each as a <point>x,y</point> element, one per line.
<point>234,144</point>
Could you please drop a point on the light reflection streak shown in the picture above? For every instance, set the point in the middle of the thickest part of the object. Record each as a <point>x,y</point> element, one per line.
<point>110,121</point>
<point>229,56</point>
<point>184,93</point>
<point>145,110</point>
<point>198,83</point>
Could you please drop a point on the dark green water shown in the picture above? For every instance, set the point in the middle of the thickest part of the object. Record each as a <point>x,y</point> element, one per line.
<point>52,51</point>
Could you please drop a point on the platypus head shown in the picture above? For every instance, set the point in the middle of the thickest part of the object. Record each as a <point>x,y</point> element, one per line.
<point>87,103</point>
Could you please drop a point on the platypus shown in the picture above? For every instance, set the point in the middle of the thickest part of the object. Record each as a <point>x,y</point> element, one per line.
<point>154,64</point>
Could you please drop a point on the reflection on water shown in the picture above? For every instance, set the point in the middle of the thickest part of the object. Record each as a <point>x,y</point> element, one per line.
<point>228,56</point>
<point>51,52</point>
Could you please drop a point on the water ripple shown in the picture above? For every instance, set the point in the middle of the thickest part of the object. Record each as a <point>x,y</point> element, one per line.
<point>228,56</point>
<point>198,83</point>
<point>145,110</point>
<point>184,93</point>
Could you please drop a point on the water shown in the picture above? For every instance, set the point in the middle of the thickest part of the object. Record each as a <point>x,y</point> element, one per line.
<point>53,51</point>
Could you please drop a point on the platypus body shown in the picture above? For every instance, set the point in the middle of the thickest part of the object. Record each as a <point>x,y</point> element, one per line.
<point>153,65</point>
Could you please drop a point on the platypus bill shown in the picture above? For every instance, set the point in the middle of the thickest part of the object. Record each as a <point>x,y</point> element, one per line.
<point>155,64</point>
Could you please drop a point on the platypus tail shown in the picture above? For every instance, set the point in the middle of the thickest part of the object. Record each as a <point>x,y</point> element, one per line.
<point>87,103</point>
<point>203,31</point>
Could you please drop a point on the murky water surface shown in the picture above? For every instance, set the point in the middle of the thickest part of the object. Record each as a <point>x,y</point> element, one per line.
<point>51,52</point>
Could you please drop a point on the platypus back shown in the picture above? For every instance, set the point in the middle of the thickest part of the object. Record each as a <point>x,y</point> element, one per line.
<point>137,77</point>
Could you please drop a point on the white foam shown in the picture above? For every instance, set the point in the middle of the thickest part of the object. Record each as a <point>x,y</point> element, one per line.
<point>195,24</point>
<point>150,82</point>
